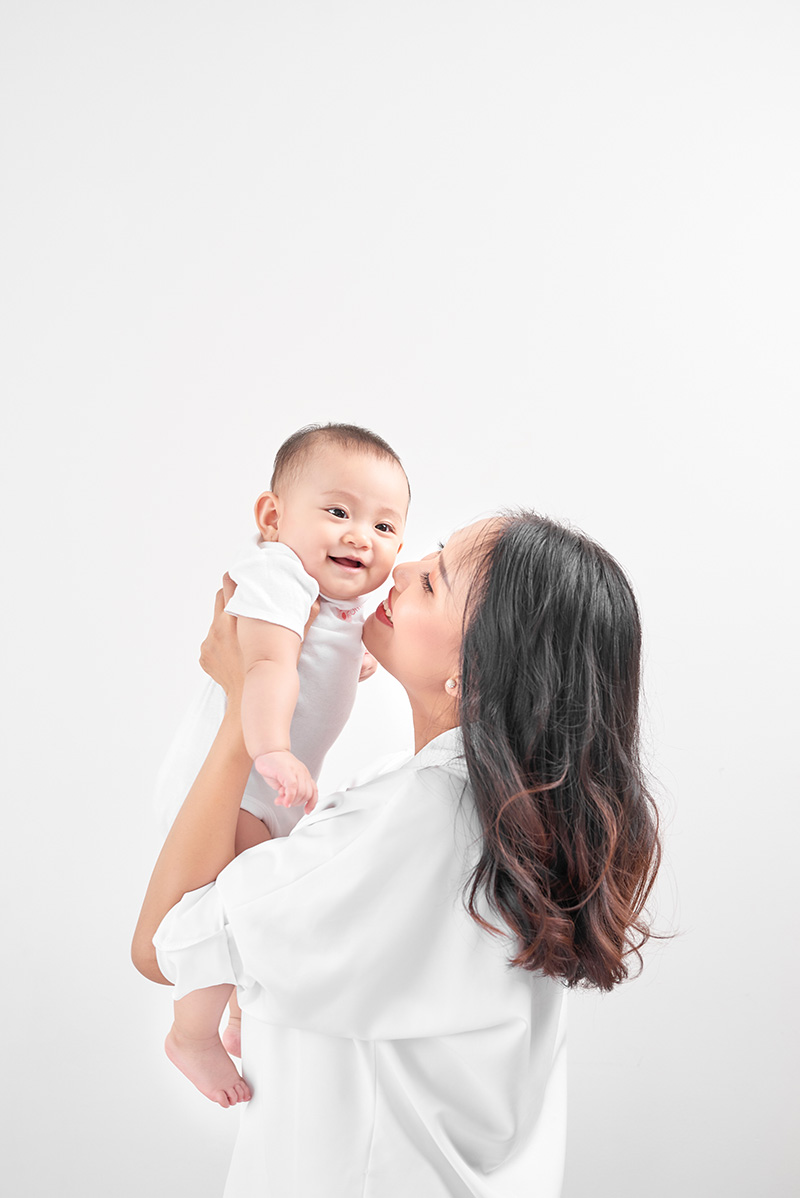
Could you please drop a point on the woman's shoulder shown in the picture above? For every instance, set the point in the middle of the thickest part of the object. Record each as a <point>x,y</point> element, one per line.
<point>395,814</point>
<point>386,764</point>
<point>444,752</point>
<point>430,786</point>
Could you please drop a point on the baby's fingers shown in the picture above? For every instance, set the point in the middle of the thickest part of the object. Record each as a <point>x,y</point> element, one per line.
<point>368,666</point>
<point>287,796</point>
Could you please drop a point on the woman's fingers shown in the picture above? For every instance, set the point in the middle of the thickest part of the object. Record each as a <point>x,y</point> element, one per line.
<point>220,655</point>
<point>228,586</point>
<point>312,615</point>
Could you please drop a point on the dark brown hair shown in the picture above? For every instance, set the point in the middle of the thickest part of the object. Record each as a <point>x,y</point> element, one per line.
<point>549,712</point>
<point>297,449</point>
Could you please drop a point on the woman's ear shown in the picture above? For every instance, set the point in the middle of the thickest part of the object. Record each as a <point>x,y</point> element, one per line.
<point>267,511</point>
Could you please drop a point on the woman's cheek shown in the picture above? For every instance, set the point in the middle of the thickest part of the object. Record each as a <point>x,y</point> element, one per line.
<point>431,652</point>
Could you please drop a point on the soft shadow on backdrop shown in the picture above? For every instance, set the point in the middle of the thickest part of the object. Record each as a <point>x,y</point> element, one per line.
<point>550,252</point>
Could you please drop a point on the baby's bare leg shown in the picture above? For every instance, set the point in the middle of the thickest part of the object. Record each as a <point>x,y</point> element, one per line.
<point>250,831</point>
<point>194,1046</point>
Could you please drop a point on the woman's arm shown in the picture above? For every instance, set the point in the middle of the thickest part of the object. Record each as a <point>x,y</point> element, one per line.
<point>201,841</point>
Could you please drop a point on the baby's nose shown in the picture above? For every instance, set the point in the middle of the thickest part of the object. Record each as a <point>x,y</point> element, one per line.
<point>358,536</point>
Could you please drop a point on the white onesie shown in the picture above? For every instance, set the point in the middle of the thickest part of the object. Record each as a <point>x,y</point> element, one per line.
<point>272,585</point>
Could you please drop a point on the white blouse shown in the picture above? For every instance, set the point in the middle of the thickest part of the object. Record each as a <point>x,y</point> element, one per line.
<point>390,1048</point>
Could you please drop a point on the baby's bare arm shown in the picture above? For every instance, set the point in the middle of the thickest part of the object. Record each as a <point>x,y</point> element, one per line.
<point>271,684</point>
<point>269,698</point>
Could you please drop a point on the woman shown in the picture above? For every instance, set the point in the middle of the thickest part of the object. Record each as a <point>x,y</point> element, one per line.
<point>402,957</point>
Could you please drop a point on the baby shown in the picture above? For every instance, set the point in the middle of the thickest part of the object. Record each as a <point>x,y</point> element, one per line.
<point>330,529</point>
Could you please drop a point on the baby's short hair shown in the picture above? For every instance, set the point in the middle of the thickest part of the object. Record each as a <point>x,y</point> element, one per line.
<point>297,449</point>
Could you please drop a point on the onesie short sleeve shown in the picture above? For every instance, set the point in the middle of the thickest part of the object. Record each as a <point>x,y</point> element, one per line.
<point>272,585</point>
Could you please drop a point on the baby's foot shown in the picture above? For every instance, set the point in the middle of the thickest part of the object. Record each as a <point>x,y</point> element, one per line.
<point>232,1036</point>
<point>208,1067</point>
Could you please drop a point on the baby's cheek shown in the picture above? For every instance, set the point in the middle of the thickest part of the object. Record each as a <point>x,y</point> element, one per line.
<point>383,568</point>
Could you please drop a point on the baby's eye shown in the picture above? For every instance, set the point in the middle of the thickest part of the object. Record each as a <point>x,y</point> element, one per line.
<point>384,527</point>
<point>426,582</point>
<point>339,512</point>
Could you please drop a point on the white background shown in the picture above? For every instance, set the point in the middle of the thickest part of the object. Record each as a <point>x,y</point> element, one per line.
<point>550,252</point>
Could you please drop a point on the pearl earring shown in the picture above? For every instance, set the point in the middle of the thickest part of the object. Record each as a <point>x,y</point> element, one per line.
<point>451,684</point>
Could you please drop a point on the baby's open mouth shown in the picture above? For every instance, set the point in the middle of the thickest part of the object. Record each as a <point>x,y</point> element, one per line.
<point>349,563</point>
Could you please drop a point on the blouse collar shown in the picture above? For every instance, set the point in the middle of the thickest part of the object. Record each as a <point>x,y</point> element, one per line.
<point>445,749</point>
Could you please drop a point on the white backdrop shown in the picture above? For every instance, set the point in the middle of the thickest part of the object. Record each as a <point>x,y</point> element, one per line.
<point>549,251</point>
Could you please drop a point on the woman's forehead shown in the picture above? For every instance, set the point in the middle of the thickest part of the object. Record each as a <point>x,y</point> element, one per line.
<point>464,540</point>
<point>464,546</point>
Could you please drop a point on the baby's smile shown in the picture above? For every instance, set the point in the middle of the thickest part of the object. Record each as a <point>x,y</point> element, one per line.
<point>348,563</point>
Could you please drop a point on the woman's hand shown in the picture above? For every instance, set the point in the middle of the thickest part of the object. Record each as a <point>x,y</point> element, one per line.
<point>220,655</point>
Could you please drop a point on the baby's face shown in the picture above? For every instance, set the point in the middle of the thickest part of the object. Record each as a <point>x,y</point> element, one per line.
<point>344,516</point>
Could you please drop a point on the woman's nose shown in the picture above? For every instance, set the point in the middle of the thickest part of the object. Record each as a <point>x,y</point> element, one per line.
<point>402,575</point>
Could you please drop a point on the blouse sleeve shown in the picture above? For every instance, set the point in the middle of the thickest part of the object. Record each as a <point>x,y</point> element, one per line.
<point>354,925</point>
<point>272,585</point>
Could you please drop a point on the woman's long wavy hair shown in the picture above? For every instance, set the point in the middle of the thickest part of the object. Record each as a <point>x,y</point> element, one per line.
<point>550,676</point>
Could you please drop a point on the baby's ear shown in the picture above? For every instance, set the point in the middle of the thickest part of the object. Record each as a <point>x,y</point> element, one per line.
<point>267,510</point>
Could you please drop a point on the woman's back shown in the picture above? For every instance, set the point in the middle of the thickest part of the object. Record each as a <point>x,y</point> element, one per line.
<point>389,1046</point>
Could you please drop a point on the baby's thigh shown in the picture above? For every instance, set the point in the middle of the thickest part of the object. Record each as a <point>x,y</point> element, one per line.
<point>250,831</point>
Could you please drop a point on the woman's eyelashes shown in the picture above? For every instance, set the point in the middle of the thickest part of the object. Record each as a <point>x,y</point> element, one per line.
<point>425,578</point>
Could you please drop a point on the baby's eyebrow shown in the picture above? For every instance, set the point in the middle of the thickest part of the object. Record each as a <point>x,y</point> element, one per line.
<point>389,512</point>
<point>338,495</point>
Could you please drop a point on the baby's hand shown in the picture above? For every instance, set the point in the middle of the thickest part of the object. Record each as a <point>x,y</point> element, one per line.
<point>291,779</point>
<point>368,666</point>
